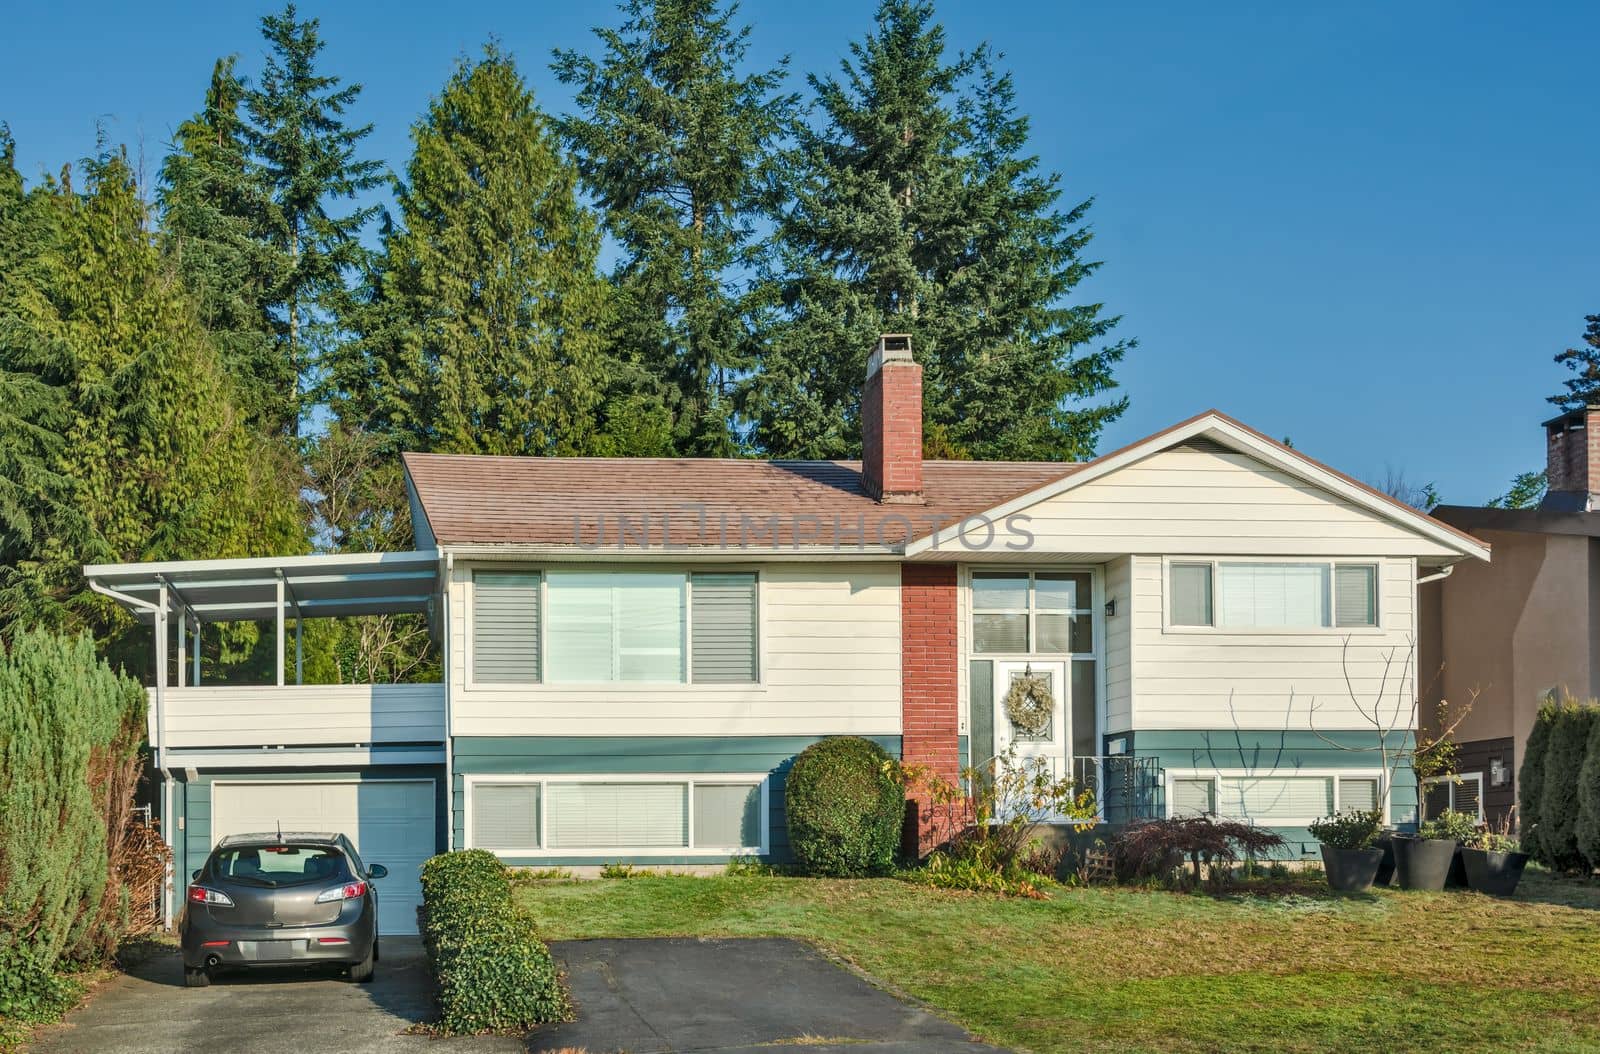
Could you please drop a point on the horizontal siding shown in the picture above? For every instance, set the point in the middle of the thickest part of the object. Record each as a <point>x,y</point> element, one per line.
<point>1119,647</point>
<point>829,642</point>
<point>1180,501</point>
<point>620,755</point>
<point>1322,680</point>
<point>302,715</point>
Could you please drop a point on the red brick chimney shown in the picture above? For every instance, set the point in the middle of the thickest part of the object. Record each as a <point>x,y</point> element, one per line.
<point>891,423</point>
<point>1572,461</point>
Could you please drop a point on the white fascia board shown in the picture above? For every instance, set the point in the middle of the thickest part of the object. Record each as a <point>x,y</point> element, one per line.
<point>673,554</point>
<point>314,562</point>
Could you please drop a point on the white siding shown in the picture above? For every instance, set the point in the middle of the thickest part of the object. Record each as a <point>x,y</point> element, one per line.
<point>1119,648</point>
<point>302,715</point>
<point>1180,501</point>
<point>830,664</point>
<point>1216,679</point>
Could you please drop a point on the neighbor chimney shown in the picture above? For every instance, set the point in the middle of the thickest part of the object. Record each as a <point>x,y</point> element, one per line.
<point>891,423</point>
<point>1572,461</point>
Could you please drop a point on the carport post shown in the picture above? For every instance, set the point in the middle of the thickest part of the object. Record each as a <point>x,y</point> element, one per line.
<point>299,652</point>
<point>183,650</point>
<point>279,611</point>
<point>194,677</point>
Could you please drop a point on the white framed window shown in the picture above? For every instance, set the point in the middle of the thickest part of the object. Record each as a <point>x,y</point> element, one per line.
<point>1259,595</point>
<point>1280,799</point>
<point>614,814</point>
<point>1032,613</point>
<point>566,626</point>
<point>1462,793</point>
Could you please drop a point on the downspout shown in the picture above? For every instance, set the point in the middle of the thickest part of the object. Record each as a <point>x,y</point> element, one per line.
<point>448,559</point>
<point>1436,576</point>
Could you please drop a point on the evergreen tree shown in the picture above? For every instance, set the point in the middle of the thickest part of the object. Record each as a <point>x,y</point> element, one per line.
<point>212,217</point>
<point>1527,490</point>
<point>1584,388</point>
<point>678,144</point>
<point>485,331</point>
<point>918,210</point>
<point>306,164</point>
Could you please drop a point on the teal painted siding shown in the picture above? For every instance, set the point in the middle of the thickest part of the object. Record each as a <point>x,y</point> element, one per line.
<point>620,755</point>
<point>1276,752</point>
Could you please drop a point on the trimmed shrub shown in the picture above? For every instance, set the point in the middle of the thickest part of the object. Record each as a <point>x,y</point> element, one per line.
<point>1159,848</point>
<point>70,729</point>
<point>845,808</point>
<point>1450,826</point>
<point>1558,800</point>
<point>1589,798</point>
<point>1530,778</point>
<point>493,972</point>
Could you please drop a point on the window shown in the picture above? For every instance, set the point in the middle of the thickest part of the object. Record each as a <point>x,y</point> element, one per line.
<point>572,627</point>
<point>1043,613</point>
<point>1283,801</point>
<point>1358,794</point>
<point>1232,594</point>
<point>644,815</point>
<point>1463,793</point>
<point>1194,797</point>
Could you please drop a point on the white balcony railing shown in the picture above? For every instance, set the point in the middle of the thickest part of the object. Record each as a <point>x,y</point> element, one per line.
<point>300,715</point>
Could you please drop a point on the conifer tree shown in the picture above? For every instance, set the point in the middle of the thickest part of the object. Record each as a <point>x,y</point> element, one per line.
<point>1583,389</point>
<point>306,169</point>
<point>678,143</point>
<point>919,210</point>
<point>485,331</point>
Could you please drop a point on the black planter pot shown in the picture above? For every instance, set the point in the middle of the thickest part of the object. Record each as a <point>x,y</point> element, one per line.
<point>1457,878</point>
<point>1351,870</point>
<point>1423,863</point>
<point>1496,874</point>
<point>1384,843</point>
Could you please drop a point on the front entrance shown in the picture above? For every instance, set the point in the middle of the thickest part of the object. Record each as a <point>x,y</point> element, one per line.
<point>1037,728</point>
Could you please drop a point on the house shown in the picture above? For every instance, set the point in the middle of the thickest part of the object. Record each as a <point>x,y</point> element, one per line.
<point>635,650</point>
<point>1511,632</point>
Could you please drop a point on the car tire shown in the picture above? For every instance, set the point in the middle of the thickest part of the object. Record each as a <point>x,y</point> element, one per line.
<point>361,972</point>
<point>375,956</point>
<point>196,978</point>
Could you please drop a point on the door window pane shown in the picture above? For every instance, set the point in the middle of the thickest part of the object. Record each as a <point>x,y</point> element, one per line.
<point>1000,633</point>
<point>727,815</point>
<point>1061,592</point>
<point>1049,730</point>
<point>999,592</point>
<point>1085,689</point>
<point>1053,636</point>
<point>1191,594</point>
<point>505,815</point>
<point>1270,596</point>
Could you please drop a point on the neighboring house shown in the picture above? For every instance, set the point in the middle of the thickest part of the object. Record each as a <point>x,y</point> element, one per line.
<point>635,650</point>
<point>1513,631</point>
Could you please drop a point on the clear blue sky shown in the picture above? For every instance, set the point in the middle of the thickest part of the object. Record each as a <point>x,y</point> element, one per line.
<point>1367,228</point>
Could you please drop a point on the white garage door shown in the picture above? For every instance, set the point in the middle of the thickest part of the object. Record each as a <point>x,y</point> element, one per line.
<point>390,822</point>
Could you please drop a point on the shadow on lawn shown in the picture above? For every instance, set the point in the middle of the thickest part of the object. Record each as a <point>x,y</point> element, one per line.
<point>1567,891</point>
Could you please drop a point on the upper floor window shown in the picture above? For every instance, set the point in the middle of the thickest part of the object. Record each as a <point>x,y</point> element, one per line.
<point>1020,612</point>
<point>570,627</point>
<point>1233,594</point>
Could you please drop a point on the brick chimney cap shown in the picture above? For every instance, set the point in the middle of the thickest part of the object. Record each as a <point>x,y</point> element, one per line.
<point>1581,413</point>
<point>892,347</point>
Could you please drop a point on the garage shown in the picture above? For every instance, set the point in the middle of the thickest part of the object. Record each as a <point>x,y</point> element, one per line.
<point>391,823</point>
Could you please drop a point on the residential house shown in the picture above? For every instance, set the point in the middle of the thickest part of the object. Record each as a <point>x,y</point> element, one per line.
<point>635,650</point>
<point>1503,636</point>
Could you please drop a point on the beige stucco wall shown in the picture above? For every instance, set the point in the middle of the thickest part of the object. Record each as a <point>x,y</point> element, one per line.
<point>1511,630</point>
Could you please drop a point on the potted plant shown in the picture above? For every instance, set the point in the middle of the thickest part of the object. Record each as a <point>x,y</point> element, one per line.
<point>1348,855</point>
<point>1493,862</point>
<point>1428,860</point>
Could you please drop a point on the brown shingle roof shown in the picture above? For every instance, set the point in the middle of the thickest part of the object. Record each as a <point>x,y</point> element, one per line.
<point>696,502</point>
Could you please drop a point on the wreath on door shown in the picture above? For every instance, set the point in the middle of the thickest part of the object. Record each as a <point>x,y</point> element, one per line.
<point>1030,704</point>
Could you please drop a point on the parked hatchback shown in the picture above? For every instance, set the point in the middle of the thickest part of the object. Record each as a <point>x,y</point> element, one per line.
<point>281,899</point>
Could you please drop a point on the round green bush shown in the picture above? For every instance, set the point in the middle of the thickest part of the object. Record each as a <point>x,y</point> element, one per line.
<point>845,808</point>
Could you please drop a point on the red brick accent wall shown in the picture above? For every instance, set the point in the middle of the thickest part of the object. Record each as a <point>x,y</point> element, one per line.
<point>929,668</point>
<point>891,432</point>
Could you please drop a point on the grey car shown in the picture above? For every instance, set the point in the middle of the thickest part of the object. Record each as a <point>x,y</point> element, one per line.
<point>281,899</point>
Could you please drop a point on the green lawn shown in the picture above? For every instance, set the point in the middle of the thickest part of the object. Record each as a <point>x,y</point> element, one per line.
<point>1285,968</point>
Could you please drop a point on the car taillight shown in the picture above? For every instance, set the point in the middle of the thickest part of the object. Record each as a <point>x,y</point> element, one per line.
<point>348,891</point>
<point>202,895</point>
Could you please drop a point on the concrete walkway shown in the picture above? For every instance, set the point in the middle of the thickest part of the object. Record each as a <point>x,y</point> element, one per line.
<point>727,996</point>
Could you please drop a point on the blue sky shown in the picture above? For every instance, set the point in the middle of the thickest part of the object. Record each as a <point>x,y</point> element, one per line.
<point>1367,227</point>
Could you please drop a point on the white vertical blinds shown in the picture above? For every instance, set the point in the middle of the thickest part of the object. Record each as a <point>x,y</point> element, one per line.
<point>618,815</point>
<point>613,626</point>
<point>505,627</point>
<point>727,815</point>
<point>723,609</point>
<point>1272,595</point>
<point>1269,798</point>
<point>1356,595</point>
<point>505,816</point>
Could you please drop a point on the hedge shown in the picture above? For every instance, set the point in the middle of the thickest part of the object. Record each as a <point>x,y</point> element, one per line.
<point>1558,800</point>
<point>1530,778</point>
<point>844,808</point>
<point>1589,797</point>
<point>70,730</point>
<point>493,972</point>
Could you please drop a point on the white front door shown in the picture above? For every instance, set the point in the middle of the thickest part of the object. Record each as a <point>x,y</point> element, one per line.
<point>389,821</point>
<point>1048,743</point>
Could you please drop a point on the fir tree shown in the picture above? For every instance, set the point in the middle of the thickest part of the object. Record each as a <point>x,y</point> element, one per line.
<point>918,209</point>
<point>307,164</point>
<point>1584,388</point>
<point>678,144</point>
<point>485,332</point>
<point>1527,490</point>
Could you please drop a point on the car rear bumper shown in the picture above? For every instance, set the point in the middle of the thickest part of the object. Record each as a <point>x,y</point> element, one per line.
<point>212,945</point>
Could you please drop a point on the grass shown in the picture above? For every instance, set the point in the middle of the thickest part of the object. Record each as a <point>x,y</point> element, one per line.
<point>1285,966</point>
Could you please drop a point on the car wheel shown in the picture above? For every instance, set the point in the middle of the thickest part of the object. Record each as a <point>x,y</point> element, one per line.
<point>375,956</point>
<point>361,972</point>
<point>196,978</point>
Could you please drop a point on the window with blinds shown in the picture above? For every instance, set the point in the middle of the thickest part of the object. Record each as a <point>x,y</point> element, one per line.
<point>1355,595</point>
<point>1193,797</point>
<point>618,815</point>
<point>615,626</point>
<point>1191,595</point>
<point>724,628</point>
<point>1272,595</point>
<point>727,815</point>
<point>1462,793</point>
<point>505,816</point>
<point>505,627</point>
<point>1269,799</point>
<point>1358,794</point>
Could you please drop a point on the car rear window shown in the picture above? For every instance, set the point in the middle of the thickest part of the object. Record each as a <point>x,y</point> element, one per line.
<point>278,865</point>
